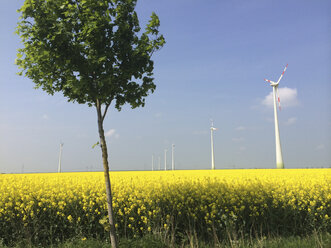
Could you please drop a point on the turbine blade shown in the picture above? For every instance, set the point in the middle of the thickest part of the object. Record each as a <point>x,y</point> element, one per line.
<point>282,74</point>
<point>269,81</point>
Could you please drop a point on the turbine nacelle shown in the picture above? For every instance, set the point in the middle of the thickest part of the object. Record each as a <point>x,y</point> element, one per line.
<point>212,125</point>
<point>272,83</point>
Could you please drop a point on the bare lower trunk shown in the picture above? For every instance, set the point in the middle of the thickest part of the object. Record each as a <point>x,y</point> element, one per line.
<point>103,145</point>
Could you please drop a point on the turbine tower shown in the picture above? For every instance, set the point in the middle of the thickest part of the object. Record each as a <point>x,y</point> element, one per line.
<point>212,129</point>
<point>172,157</point>
<point>165,159</point>
<point>279,156</point>
<point>60,157</point>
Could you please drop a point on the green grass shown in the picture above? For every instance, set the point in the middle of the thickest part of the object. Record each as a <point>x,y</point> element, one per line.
<point>155,241</point>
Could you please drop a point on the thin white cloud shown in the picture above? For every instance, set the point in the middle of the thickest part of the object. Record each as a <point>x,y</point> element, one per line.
<point>241,128</point>
<point>320,147</point>
<point>112,133</point>
<point>288,98</point>
<point>291,121</point>
<point>45,117</point>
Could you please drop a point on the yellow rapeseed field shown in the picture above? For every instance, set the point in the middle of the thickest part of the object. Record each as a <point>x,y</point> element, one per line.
<point>53,206</point>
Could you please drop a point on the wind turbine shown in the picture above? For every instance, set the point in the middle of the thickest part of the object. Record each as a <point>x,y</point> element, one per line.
<point>165,159</point>
<point>279,156</point>
<point>60,157</point>
<point>212,129</point>
<point>172,157</point>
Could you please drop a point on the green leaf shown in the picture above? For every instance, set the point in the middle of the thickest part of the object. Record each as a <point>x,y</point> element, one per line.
<point>96,144</point>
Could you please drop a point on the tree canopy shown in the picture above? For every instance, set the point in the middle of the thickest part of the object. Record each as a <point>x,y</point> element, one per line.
<point>91,51</point>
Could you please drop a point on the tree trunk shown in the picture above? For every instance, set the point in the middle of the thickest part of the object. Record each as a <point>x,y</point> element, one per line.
<point>103,146</point>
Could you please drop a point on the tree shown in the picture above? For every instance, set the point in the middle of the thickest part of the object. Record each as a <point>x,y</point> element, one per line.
<point>94,53</point>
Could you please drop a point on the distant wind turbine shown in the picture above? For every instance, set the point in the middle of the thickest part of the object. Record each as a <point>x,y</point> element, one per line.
<point>165,159</point>
<point>60,157</point>
<point>172,157</point>
<point>212,129</point>
<point>279,156</point>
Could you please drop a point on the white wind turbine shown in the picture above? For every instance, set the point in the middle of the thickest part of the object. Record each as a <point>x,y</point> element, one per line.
<point>212,129</point>
<point>279,156</point>
<point>59,169</point>
<point>165,159</point>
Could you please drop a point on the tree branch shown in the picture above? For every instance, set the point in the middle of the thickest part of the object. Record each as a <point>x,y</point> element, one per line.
<point>105,112</point>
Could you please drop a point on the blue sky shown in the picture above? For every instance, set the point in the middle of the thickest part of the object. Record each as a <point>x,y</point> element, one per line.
<point>212,66</point>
